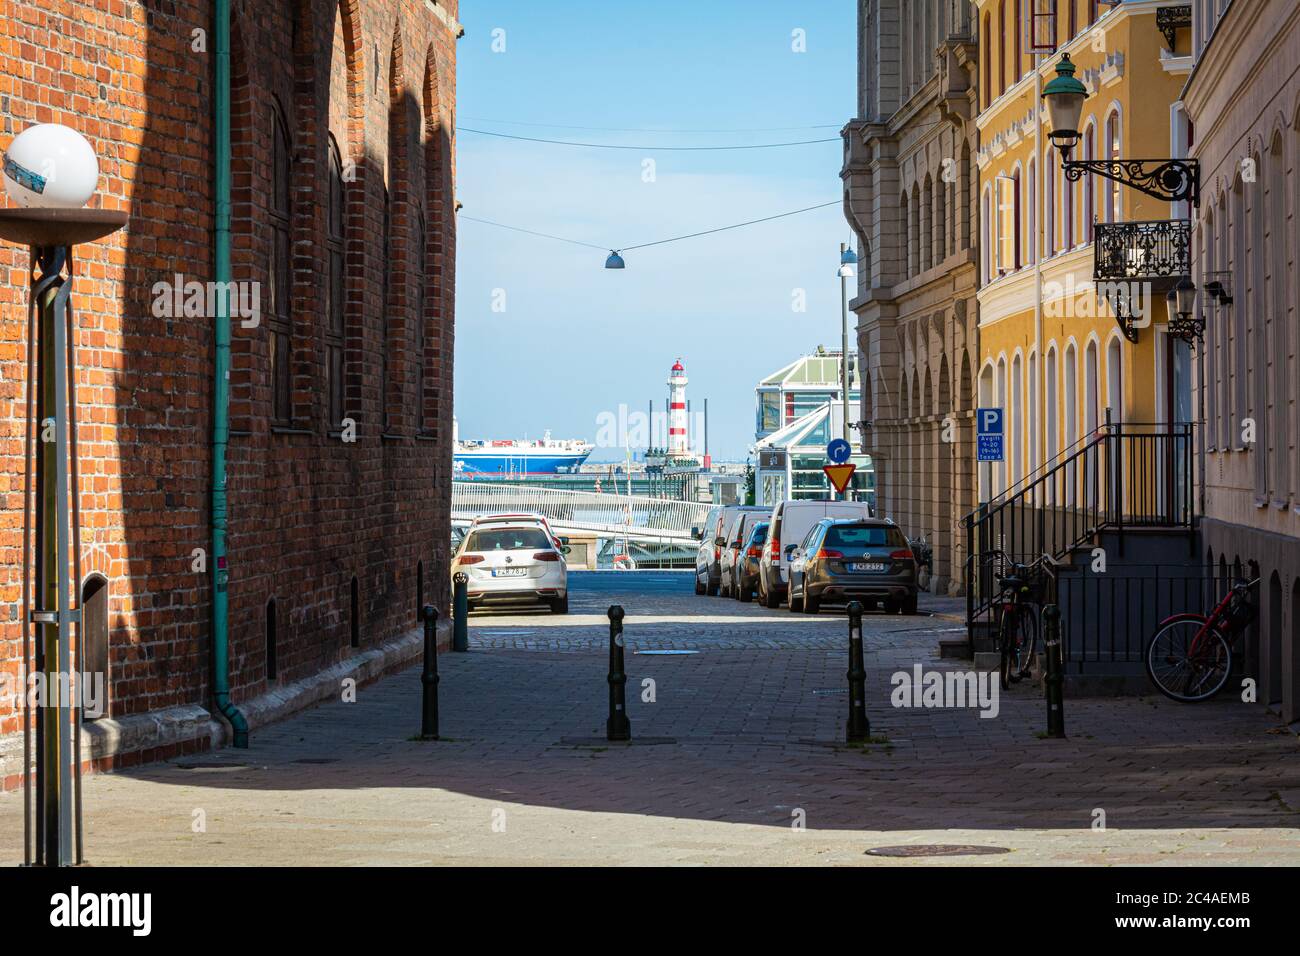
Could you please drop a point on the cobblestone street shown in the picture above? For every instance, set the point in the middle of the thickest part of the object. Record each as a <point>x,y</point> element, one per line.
<point>748,732</point>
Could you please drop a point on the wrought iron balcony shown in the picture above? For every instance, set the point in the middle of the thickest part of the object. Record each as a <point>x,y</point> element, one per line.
<point>1152,250</point>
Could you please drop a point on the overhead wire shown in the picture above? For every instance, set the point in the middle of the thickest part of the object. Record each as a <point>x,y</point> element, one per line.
<point>648,129</point>
<point>658,242</point>
<point>561,142</point>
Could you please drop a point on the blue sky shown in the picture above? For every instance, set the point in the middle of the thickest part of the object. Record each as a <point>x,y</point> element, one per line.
<point>575,339</point>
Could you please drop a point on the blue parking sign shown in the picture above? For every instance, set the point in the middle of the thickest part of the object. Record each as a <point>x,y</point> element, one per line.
<point>988,421</point>
<point>989,442</point>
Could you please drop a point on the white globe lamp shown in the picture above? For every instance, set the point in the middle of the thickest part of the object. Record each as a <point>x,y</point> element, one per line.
<point>50,166</point>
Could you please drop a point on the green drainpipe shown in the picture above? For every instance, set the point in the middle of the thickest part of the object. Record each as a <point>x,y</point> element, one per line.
<point>221,384</point>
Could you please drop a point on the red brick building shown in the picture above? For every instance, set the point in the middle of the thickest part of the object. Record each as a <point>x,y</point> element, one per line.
<point>339,458</point>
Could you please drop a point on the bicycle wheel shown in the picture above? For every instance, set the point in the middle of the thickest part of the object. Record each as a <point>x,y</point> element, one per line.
<point>1008,635</point>
<point>1028,645</point>
<point>1181,674</point>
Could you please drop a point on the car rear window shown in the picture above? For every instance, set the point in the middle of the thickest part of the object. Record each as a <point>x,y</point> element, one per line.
<point>507,539</point>
<point>864,536</point>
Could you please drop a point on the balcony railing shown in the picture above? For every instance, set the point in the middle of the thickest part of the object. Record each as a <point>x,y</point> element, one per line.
<point>1158,249</point>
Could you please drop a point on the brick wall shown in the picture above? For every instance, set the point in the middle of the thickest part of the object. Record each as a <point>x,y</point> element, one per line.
<point>309,512</point>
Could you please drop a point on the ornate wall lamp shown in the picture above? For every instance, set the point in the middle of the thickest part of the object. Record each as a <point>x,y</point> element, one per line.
<point>1173,180</point>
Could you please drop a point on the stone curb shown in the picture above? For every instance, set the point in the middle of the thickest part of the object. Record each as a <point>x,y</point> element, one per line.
<point>172,728</point>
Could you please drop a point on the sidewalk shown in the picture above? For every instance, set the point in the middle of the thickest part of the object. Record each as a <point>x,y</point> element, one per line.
<point>756,720</point>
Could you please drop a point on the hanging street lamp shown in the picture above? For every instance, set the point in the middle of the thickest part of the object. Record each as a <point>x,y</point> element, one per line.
<point>1183,321</point>
<point>1173,180</point>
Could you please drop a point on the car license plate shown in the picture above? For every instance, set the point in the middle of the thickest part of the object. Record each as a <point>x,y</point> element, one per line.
<point>872,566</point>
<point>509,572</point>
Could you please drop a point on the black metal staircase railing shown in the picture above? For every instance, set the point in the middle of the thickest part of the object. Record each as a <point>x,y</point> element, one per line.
<point>1124,477</point>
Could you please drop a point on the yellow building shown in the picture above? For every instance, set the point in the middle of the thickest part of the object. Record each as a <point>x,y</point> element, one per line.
<point>1052,353</point>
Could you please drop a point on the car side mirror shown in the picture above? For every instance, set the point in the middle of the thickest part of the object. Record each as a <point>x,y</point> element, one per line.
<point>563,540</point>
<point>790,551</point>
<point>696,534</point>
<point>565,549</point>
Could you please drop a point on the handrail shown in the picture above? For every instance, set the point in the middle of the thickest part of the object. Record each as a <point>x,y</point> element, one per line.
<point>1126,475</point>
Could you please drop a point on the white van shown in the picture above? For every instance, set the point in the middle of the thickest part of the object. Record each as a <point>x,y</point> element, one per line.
<point>790,523</point>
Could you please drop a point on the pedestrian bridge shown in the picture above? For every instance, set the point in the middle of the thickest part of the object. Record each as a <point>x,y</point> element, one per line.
<point>635,517</point>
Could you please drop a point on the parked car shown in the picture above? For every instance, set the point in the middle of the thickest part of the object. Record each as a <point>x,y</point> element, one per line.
<point>845,560</point>
<point>518,518</point>
<point>742,525</point>
<point>790,522</point>
<point>513,564</point>
<point>712,538</point>
<point>746,567</point>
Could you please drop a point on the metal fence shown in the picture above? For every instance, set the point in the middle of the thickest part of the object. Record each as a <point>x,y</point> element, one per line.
<point>1108,618</point>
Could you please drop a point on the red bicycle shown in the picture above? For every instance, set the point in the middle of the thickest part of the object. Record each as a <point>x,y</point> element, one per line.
<point>1190,655</point>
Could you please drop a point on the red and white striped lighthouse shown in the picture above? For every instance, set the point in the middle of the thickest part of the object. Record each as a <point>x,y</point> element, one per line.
<point>677,438</point>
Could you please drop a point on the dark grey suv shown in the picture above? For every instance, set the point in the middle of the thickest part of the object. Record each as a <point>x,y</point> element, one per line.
<point>865,560</point>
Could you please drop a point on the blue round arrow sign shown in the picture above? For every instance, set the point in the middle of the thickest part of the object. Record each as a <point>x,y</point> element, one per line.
<point>839,451</point>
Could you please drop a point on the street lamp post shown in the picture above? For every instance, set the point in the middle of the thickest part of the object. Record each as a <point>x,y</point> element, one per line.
<point>51,233</point>
<point>51,172</point>
<point>848,259</point>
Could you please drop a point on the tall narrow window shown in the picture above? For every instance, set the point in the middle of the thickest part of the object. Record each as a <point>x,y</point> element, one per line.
<point>1074,17</point>
<point>988,60</point>
<point>1003,59</point>
<point>1018,63</point>
<point>280,271</point>
<point>1031,201</point>
<point>1089,190</point>
<point>386,311</point>
<point>334,287</point>
<point>1049,206</point>
<point>1067,214</point>
<point>421,320</point>
<point>354,615</point>
<point>92,632</point>
<point>1018,222</point>
<point>1114,147</point>
<point>272,659</point>
<point>419,589</point>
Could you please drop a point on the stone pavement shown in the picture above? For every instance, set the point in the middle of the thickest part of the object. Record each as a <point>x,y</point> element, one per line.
<point>756,771</point>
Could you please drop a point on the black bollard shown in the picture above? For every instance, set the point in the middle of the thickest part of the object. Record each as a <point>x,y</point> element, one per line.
<point>618,727</point>
<point>460,612</point>
<point>859,729</point>
<point>429,709</point>
<point>1055,676</point>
